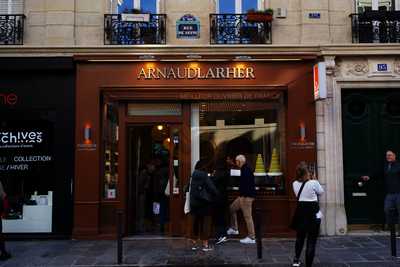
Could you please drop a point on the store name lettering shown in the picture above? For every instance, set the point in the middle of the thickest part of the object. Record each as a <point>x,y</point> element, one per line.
<point>169,73</point>
<point>20,137</point>
<point>8,99</point>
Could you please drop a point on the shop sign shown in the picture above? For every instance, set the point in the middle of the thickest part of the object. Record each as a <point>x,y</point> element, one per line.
<point>320,91</point>
<point>302,145</point>
<point>8,99</point>
<point>25,149</point>
<point>86,147</point>
<point>191,73</point>
<point>188,27</point>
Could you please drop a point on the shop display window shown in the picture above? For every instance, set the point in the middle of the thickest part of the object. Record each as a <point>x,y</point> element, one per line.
<point>27,174</point>
<point>110,140</point>
<point>221,130</point>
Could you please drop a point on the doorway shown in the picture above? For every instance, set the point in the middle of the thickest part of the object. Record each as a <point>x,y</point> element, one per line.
<point>153,169</point>
<point>371,125</point>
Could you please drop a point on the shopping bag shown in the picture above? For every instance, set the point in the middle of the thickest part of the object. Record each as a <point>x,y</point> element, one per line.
<point>156,208</point>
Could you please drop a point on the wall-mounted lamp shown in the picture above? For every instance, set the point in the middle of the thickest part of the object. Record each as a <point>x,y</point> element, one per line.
<point>302,132</point>
<point>193,56</point>
<point>147,57</point>
<point>243,57</point>
<point>87,134</point>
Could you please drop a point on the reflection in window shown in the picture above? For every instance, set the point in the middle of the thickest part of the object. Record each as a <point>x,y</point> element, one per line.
<point>110,135</point>
<point>225,129</point>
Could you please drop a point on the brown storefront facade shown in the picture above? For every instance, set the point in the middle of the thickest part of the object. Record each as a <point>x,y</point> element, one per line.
<point>132,114</point>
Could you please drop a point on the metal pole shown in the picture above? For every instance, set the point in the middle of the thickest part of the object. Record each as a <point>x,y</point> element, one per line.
<point>392,216</point>
<point>119,237</point>
<point>258,233</point>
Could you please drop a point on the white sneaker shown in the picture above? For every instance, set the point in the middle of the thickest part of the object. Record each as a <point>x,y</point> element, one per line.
<point>232,231</point>
<point>247,240</point>
<point>221,240</point>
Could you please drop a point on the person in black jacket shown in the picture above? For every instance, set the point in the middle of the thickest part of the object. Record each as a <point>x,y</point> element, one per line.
<point>203,193</point>
<point>244,202</point>
<point>391,173</point>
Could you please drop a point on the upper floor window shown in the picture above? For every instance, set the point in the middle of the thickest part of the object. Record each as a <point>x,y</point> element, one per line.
<point>237,6</point>
<point>11,6</point>
<point>381,5</point>
<point>145,6</point>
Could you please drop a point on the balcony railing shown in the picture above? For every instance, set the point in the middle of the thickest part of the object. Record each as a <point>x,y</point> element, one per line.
<point>12,29</point>
<point>376,27</point>
<point>121,32</point>
<point>236,29</point>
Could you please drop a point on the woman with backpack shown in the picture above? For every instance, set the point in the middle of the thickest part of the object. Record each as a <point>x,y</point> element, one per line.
<point>307,218</point>
<point>202,195</point>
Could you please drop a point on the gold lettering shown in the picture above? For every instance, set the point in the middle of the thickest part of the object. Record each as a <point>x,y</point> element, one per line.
<point>240,72</point>
<point>191,73</point>
<point>230,71</point>
<point>220,73</point>
<point>171,73</point>
<point>162,73</point>
<point>152,73</point>
<point>250,73</point>
<point>142,73</point>
<point>210,74</point>
<point>199,74</point>
<point>178,72</point>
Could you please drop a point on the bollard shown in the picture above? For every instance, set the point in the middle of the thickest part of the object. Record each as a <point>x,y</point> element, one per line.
<point>119,237</point>
<point>392,226</point>
<point>258,233</point>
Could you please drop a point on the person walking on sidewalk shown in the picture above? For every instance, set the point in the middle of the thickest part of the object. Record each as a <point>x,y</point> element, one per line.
<point>247,194</point>
<point>307,218</point>
<point>391,174</point>
<point>202,197</point>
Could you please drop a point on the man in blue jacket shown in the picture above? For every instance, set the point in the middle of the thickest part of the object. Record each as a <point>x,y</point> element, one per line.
<point>244,202</point>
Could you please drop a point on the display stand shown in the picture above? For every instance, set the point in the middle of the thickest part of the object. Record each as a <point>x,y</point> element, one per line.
<point>35,218</point>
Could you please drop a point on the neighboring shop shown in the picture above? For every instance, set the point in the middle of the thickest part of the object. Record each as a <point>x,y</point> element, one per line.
<point>36,144</point>
<point>141,126</point>
<point>356,124</point>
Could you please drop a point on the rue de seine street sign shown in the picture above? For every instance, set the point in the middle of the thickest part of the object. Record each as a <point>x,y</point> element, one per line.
<point>188,27</point>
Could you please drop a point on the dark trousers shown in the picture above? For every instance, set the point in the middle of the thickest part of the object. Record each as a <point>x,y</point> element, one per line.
<point>392,201</point>
<point>312,235</point>
<point>220,218</point>
<point>201,227</point>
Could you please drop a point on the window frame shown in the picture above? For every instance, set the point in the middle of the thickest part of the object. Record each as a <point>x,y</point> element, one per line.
<point>238,6</point>
<point>136,5</point>
<point>375,5</point>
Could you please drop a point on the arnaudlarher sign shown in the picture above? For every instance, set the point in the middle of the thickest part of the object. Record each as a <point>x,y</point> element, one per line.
<point>192,73</point>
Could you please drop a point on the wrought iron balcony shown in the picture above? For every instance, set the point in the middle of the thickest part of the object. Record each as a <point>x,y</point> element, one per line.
<point>238,29</point>
<point>376,27</point>
<point>119,31</point>
<point>12,29</point>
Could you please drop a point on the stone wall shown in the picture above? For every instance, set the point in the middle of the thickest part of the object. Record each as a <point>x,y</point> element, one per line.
<point>81,22</point>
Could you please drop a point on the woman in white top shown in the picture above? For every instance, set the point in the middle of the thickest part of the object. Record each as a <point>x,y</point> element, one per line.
<point>308,215</point>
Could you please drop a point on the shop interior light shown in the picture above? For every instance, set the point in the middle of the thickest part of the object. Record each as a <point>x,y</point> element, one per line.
<point>160,127</point>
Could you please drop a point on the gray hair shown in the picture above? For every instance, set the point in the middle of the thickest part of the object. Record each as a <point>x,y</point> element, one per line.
<point>241,158</point>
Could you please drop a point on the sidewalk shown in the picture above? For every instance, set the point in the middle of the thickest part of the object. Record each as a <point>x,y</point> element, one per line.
<point>352,250</point>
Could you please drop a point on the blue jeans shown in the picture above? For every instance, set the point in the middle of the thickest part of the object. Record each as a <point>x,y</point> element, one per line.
<point>392,200</point>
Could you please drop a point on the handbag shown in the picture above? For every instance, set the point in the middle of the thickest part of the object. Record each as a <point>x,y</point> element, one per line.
<point>297,216</point>
<point>186,208</point>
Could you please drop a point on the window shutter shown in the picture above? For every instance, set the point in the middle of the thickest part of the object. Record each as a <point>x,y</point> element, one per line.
<point>11,6</point>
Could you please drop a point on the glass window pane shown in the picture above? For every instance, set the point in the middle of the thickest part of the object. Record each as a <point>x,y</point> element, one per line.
<point>225,129</point>
<point>249,4</point>
<point>148,6</point>
<point>110,140</point>
<point>226,7</point>
<point>124,5</point>
<point>154,109</point>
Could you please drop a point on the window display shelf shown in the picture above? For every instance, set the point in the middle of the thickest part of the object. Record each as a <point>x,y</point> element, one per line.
<point>35,218</point>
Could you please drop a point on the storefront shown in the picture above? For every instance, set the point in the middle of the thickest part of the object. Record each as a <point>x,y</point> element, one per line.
<point>141,127</point>
<point>36,144</point>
